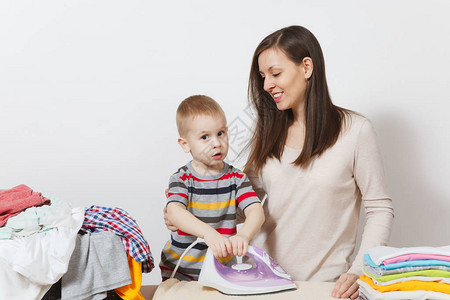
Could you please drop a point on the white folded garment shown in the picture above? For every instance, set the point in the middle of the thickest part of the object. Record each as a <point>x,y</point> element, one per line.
<point>380,253</point>
<point>44,257</point>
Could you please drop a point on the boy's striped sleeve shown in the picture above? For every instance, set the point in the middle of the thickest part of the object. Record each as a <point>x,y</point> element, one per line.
<point>178,191</point>
<point>245,195</point>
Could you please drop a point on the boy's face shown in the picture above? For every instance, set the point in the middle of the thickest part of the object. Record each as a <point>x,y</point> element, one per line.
<point>206,139</point>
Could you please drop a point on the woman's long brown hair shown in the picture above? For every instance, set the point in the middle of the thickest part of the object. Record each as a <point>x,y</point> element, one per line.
<point>323,119</point>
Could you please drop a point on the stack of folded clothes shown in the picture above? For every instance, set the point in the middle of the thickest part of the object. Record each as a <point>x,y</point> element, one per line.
<point>406,273</point>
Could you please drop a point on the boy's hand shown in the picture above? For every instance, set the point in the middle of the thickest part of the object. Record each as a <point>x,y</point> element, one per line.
<point>239,244</point>
<point>220,245</point>
<point>169,225</point>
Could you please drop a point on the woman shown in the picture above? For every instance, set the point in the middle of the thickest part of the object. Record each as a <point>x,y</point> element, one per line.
<point>316,162</point>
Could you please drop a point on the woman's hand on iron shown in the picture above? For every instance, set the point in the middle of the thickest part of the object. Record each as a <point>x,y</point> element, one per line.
<point>239,244</point>
<point>166,220</point>
<point>346,286</point>
<point>219,244</point>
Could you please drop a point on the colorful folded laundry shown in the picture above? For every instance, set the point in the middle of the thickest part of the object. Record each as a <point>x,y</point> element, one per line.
<point>414,273</point>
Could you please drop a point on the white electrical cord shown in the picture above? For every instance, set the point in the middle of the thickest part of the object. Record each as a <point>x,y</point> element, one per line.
<point>263,200</point>
<point>198,240</point>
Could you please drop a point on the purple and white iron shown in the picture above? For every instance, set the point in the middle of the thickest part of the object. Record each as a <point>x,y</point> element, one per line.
<point>244,279</point>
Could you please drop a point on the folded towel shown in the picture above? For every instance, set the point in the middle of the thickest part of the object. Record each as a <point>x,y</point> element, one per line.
<point>17,199</point>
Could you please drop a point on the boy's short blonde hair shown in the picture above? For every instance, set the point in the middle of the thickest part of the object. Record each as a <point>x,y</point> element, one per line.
<point>195,106</point>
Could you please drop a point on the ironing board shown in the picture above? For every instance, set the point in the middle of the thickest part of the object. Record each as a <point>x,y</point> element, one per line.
<point>175,289</point>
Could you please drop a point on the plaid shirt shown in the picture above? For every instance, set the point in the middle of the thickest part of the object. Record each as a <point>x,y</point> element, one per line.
<point>98,218</point>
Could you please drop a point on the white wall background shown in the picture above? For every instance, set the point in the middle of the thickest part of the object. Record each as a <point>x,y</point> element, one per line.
<point>89,89</point>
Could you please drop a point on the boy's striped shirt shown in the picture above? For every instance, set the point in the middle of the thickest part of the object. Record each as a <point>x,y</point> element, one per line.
<point>212,199</point>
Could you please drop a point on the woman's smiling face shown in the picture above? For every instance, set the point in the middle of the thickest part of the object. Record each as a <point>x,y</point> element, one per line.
<point>284,80</point>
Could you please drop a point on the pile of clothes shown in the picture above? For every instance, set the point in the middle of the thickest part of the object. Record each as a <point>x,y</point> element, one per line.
<point>406,273</point>
<point>49,250</point>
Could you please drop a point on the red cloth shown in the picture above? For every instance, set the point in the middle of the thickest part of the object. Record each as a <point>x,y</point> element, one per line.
<point>17,199</point>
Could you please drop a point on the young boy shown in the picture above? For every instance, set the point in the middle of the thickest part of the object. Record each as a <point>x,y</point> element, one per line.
<point>204,194</point>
